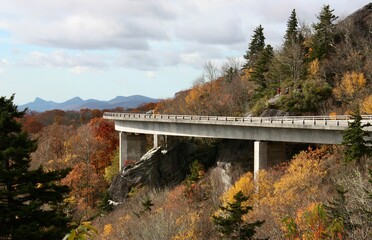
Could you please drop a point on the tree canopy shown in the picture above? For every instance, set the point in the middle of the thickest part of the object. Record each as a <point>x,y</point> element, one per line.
<point>30,200</point>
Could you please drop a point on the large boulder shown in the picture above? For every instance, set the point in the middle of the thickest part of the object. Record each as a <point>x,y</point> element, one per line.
<point>157,168</point>
<point>235,157</point>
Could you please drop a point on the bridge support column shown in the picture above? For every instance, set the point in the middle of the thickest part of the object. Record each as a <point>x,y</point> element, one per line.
<point>268,155</point>
<point>260,156</point>
<point>132,147</point>
<point>156,140</point>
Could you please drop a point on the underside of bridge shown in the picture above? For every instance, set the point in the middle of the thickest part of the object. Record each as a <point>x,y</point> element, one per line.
<point>266,154</point>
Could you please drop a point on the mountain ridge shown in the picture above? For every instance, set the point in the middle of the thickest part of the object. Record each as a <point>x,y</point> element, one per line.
<point>77,103</point>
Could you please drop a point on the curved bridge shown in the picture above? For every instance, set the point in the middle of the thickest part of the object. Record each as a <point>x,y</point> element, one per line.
<point>285,129</point>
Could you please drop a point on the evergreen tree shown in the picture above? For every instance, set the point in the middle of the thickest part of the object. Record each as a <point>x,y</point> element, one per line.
<point>323,37</point>
<point>337,210</point>
<point>356,139</point>
<point>29,200</point>
<point>261,67</point>
<point>291,34</point>
<point>256,46</point>
<point>230,222</point>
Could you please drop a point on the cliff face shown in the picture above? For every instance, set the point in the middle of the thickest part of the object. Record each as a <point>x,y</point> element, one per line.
<point>227,161</point>
<point>157,168</point>
<point>361,21</point>
<point>235,157</point>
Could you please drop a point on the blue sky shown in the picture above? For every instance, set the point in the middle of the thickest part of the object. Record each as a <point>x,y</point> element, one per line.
<point>99,49</point>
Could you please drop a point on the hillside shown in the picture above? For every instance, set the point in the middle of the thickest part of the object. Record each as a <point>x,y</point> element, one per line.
<point>322,68</point>
<point>190,188</point>
<point>328,72</point>
<point>77,103</point>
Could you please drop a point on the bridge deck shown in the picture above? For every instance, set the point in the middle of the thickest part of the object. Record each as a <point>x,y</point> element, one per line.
<point>340,121</point>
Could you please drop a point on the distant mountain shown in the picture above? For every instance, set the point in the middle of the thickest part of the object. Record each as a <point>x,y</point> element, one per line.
<point>77,103</point>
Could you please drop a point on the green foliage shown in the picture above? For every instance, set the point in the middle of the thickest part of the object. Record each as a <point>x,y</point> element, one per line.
<point>230,223</point>
<point>104,204</point>
<point>196,170</point>
<point>261,67</point>
<point>83,231</point>
<point>230,73</point>
<point>323,37</point>
<point>30,200</point>
<point>256,46</point>
<point>146,204</point>
<point>113,169</point>
<point>259,106</point>
<point>305,98</point>
<point>355,139</point>
<point>196,173</point>
<point>291,34</point>
<point>313,223</point>
<point>337,209</point>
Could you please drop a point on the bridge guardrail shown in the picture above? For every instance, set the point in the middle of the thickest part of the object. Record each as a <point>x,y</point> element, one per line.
<point>339,120</point>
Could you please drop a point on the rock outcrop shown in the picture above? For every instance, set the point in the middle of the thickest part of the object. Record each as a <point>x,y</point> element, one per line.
<point>234,158</point>
<point>157,168</point>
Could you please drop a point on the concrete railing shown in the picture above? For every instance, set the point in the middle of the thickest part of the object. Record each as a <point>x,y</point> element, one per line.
<point>338,120</point>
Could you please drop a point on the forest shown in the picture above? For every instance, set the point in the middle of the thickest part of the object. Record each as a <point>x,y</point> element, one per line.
<point>57,166</point>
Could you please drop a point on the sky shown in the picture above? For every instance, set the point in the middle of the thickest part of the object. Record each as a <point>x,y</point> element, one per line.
<point>100,49</point>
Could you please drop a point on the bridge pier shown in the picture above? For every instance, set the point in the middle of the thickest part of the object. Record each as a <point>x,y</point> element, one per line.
<point>268,154</point>
<point>132,147</point>
<point>260,156</point>
<point>156,140</point>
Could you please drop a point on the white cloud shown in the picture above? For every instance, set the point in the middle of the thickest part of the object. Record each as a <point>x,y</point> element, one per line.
<point>150,74</point>
<point>77,63</point>
<point>190,32</point>
<point>80,69</point>
<point>3,64</point>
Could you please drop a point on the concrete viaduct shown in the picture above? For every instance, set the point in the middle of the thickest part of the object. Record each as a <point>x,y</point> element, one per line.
<point>274,130</point>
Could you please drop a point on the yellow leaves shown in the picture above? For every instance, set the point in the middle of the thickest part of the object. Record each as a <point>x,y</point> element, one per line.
<point>107,230</point>
<point>285,194</point>
<point>189,231</point>
<point>244,184</point>
<point>84,231</point>
<point>305,169</point>
<point>314,67</point>
<point>351,83</point>
<point>39,185</point>
<point>247,74</point>
<point>333,115</point>
<point>366,107</point>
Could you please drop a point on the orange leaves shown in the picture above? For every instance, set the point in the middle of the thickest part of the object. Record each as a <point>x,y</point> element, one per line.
<point>106,141</point>
<point>218,97</point>
<point>312,223</point>
<point>85,185</point>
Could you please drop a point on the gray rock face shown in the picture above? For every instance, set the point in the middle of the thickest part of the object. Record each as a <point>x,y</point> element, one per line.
<point>234,159</point>
<point>157,168</point>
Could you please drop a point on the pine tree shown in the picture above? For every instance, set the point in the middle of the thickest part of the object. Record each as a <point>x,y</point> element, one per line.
<point>261,67</point>
<point>337,210</point>
<point>323,37</point>
<point>29,200</point>
<point>291,34</point>
<point>230,222</point>
<point>356,139</point>
<point>256,46</point>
